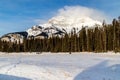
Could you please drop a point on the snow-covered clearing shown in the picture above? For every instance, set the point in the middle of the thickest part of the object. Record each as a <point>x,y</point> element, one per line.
<point>60,66</point>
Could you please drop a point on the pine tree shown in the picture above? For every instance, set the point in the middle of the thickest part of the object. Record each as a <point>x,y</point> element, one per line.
<point>114,37</point>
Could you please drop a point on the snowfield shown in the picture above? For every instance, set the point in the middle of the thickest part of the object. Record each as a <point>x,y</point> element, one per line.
<point>60,66</point>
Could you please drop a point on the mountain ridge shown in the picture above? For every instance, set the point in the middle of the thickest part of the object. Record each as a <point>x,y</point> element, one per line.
<point>56,26</point>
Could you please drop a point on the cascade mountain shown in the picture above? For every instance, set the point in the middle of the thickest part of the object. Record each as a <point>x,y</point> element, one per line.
<point>56,26</point>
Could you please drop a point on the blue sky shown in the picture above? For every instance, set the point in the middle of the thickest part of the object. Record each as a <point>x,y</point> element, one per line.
<point>19,15</point>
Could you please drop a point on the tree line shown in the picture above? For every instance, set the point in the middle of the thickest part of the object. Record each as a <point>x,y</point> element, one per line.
<point>97,39</point>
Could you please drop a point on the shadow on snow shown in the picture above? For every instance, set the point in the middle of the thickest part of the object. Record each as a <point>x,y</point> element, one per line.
<point>100,71</point>
<point>9,77</point>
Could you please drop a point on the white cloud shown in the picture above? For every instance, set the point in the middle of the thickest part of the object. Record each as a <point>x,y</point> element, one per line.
<point>40,21</point>
<point>75,12</point>
<point>80,11</point>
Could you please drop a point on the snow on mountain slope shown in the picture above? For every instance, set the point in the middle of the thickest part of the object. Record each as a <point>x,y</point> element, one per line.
<point>35,30</point>
<point>63,24</point>
<point>15,37</point>
<point>68,23</point>
<point>49,31</point>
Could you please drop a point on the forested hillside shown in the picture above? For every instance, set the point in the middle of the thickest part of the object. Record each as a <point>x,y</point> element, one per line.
<point>97,39</point>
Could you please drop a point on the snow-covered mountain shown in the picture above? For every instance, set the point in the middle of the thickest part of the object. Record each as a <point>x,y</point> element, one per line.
<point>63,24</point>
<point>68,23</point>
<point>14,37</point>
<point>49,31</point>
<point>56,26</point>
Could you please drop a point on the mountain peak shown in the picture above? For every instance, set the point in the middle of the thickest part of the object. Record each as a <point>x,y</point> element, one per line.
<point>63,24</point>
<point>69,22</point>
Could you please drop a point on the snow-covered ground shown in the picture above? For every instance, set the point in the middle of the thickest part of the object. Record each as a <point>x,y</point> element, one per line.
<point>59,66</point>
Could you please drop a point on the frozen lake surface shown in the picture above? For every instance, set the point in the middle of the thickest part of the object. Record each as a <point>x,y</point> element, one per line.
<point>60,66</point>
